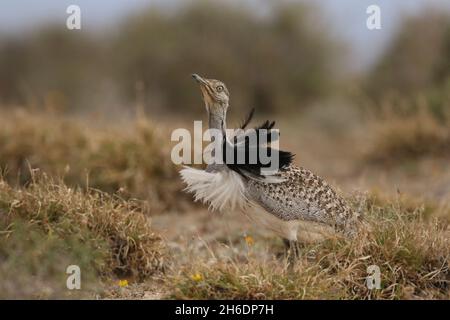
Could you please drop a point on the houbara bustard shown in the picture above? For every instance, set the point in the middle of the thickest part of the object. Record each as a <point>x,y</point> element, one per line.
<point>294,203</point>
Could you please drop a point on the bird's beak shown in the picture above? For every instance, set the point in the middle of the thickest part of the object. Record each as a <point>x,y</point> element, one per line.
<point>205,89</point>
<point>199,79</point>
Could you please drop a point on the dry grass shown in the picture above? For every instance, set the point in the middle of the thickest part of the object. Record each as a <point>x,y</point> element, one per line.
<point>47,226</point>
<point>412,253</point>
<point>400,137</point>
<point>53,217</point>
<point>132,160</point>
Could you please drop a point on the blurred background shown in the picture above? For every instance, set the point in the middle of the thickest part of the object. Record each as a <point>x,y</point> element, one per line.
<point>369,110</point>
<point>275,56</point>
<point>314,67</point>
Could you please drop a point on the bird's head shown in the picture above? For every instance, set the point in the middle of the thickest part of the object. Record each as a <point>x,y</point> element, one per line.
<point>215,94</point>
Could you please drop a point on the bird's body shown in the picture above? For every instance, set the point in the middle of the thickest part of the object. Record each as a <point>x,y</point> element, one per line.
<point>295,203</point>
<point>303,199</point>
<point>301,207</point>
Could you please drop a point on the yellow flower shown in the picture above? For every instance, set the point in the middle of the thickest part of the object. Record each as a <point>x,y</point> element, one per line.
<point>249,240</point>
<point>123,283</point>
<point>197,277</point>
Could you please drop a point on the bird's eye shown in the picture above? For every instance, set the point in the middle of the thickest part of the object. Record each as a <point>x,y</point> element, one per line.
<point>219,88</point>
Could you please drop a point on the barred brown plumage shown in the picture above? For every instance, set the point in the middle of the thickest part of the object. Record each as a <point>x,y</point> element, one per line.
<point>303,195</point>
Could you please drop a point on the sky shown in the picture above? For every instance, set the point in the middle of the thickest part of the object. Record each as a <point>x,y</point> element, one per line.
<point>345,18</point>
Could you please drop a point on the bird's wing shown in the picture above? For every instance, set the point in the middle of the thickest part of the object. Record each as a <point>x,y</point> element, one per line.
<point>302,196</point>
<point>247,148</point>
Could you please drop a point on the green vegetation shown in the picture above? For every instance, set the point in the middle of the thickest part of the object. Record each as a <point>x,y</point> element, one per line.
<point>47,226</point>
